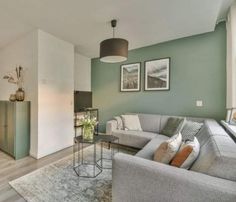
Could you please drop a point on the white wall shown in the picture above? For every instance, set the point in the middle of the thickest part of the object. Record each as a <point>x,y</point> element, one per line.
<point>49,85</point>
<point>56,86</point>
<point>82,73</point>
<point>231,58</point>
<point>22,52</point>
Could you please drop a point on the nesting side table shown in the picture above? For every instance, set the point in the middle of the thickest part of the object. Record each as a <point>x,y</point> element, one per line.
<point>92,167</point>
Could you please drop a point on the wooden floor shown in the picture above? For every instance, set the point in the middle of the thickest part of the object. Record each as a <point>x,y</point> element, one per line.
<point>11,169</point>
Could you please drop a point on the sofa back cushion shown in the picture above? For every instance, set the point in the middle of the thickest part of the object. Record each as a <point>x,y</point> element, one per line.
<point>155,122</point>
<point>150,122</point>
<point>218,152</point>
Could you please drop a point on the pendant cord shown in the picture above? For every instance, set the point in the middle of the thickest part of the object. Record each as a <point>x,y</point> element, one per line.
<point>113,25</point>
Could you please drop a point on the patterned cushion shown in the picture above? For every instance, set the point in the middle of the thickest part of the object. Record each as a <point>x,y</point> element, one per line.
<point>190,129</point>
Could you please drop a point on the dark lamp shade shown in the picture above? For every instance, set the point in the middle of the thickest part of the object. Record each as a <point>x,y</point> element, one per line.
<point>114,50</point>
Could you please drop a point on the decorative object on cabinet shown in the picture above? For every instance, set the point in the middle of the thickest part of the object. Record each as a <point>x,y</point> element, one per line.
<point>15,128</point>
<point>157,74</point>
<point>12,98</point>
<point>20,94</point>
<point>16,77</point>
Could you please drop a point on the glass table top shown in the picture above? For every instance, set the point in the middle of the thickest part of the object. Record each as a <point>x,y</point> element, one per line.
<point>100,137</point>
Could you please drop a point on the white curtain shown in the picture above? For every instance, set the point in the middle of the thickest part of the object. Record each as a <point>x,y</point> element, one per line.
<point>231,58</point>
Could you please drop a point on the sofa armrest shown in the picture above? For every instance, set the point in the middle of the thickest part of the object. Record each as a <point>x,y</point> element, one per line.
<point>214,128</point>
<point>136,179</point>
<point>111,126</point>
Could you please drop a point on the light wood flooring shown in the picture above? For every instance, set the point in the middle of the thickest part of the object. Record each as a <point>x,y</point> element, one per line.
<point>11,169</point>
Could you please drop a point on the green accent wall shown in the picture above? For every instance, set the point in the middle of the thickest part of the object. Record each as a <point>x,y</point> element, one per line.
<point>197,72</point>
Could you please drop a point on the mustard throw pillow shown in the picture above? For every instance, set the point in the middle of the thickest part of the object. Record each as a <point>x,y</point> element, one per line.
<point>187,154</point>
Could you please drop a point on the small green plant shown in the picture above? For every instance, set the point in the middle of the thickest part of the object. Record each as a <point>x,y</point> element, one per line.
<point>88,127</point>
<point>89,122</point>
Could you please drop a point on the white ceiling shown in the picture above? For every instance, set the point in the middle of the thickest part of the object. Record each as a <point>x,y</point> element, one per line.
<point>85,23</point>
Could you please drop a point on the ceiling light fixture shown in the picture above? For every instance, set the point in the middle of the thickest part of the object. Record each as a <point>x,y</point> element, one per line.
<point>114,49</point>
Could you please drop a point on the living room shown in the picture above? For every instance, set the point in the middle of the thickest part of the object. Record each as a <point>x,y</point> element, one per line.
<point>117,101</point>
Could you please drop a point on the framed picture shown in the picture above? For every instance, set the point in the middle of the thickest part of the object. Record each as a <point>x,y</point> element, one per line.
<point>157,74</point>
<point>231,116</point>
<point>130,77</point>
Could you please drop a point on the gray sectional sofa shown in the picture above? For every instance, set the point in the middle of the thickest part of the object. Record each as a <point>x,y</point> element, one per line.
<point>212,177</point>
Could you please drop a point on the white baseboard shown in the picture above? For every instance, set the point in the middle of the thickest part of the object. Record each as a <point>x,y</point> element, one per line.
<point>33,155</point>
<point>47,154</point>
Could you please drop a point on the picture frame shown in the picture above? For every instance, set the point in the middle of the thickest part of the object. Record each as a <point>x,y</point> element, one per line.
<point>130,77</point>
<point>157,74</point>
<point>231,116</point>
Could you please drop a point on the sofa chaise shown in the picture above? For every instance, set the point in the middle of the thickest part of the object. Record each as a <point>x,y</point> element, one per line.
<point>138,178</point>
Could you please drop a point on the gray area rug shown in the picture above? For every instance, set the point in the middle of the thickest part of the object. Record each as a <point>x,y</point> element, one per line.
<point>58,182</point>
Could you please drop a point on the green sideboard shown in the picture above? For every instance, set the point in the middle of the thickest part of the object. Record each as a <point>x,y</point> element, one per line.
<point>15,128</point>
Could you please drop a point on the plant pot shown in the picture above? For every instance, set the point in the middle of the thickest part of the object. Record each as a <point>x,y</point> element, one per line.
<point>20,94</point>
<point>88,133</point>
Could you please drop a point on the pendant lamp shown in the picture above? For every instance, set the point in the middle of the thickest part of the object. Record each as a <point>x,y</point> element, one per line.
<point>114,49</point>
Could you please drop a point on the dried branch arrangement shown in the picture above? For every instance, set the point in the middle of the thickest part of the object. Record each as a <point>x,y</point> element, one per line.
<point>15,77</point>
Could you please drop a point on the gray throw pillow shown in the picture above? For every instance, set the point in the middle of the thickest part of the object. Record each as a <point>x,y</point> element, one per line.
<point>190,129</point>
<point>173,126</point>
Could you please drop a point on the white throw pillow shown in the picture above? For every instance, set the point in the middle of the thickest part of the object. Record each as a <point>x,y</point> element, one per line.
<point>168,149</point>
<point>187,154</point>
<point>131,122</point>
<point>119,122</point>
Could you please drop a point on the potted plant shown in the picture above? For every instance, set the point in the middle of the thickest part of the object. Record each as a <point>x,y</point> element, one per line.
<point>88,127</point>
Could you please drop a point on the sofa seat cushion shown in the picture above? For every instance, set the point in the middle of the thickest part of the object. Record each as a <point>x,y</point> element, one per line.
<point>148,151</point>
<point>131,138</point>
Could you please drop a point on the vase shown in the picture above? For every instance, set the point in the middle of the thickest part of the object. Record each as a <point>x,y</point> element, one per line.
<point>12,97</point>
<point>88,132</point>
<point>20,94</point>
